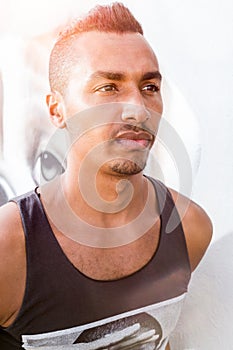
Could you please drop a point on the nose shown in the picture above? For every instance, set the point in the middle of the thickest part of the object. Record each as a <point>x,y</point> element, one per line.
<point>134,110</point>
<point>135,114</point>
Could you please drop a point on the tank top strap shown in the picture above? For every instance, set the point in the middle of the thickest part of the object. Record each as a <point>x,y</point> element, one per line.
<point>38,233</point>
<point>170,218</point>
<point>31,210</point>
<point>172,237</point>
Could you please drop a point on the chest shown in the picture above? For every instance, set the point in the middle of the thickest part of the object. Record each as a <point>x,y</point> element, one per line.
<point>111,263</point>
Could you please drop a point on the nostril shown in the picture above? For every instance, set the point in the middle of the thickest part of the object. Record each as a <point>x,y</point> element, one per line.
<point>147,115</point>
<point>128,116</point>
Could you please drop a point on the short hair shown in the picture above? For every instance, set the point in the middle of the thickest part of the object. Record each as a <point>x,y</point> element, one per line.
<point>114,18</point>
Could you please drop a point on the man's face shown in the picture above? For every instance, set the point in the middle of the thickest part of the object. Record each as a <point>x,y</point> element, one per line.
<point>112,69</point>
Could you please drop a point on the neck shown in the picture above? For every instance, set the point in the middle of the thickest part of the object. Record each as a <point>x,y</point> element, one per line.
<point>105,199</point>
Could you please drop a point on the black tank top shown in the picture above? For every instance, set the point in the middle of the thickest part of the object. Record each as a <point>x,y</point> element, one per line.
<point>59,300</point>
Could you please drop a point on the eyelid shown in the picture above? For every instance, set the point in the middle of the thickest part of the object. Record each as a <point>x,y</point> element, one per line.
<point>111,85</point>
<point>154,84</point>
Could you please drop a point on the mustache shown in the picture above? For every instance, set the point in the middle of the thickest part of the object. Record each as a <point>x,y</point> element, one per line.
<point>136,129</point>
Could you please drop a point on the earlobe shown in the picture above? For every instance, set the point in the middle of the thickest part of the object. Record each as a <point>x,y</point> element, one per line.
<point>56,107</point>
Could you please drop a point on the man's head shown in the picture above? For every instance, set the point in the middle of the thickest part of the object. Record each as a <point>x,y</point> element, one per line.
<point>102,59</point>
<point>115,18</point>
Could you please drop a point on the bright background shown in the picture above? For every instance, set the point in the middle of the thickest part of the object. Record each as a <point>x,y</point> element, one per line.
<point>193,41</point>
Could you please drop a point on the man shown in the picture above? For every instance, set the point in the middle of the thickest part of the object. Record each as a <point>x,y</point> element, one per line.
<point>98,258</point>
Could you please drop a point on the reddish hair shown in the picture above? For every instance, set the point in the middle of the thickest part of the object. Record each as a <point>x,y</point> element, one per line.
<point>110,18</point>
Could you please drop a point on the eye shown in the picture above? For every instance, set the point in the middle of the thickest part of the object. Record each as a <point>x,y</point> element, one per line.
<point>151,88</point>
<point>107,88</point>
<point>47,166</point>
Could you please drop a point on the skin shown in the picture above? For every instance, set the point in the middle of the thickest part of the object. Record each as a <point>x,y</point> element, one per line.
<point>86,88</point>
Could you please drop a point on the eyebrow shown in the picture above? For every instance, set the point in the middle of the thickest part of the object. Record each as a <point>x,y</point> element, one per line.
<point>152,75</point>
<point>108,75</point>
<point>119,76</point>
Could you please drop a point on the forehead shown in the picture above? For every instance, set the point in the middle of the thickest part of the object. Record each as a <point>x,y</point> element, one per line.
<point>128,52</point>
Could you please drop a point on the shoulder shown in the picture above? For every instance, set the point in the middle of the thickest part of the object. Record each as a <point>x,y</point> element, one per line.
<point>197,227</point>
<point>13,259</point>
<point>10,225</point>
<point>10,222</point>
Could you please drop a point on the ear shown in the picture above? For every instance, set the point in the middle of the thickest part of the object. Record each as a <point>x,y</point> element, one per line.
<point>56,107</point>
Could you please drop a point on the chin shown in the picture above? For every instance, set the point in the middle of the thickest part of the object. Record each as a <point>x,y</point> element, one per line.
<point>126,167</point>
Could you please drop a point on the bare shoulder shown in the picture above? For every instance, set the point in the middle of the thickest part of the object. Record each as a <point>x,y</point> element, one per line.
<point>13,261</point>
<point>197,227</point>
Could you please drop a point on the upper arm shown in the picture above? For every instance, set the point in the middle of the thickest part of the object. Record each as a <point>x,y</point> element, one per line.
<point>197,227</point>
<point>13,262</point>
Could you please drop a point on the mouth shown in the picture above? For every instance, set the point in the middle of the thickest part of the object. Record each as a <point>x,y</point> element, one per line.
<point>131,139</point>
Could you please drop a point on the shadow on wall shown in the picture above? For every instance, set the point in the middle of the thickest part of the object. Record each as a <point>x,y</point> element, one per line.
<point>206,320</point>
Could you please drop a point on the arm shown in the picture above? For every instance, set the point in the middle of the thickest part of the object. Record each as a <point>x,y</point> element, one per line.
<point>197,227</point>
<point>12,265</point>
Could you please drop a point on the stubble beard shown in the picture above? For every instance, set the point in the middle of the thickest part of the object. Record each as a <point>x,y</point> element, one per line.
<point>126,167</point>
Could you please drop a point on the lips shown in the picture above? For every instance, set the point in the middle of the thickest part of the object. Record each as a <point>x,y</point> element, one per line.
<point>134,139</point>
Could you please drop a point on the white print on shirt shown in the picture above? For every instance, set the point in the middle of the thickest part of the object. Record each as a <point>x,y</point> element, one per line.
<point>147,328</point>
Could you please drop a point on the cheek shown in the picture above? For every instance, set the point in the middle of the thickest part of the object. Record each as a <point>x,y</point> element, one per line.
<point>160,102</point>
<point>99,135</point>
<point>157,104</point>
<point>75,99</point>
<point>94,138</point>
<point>82,102</point>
